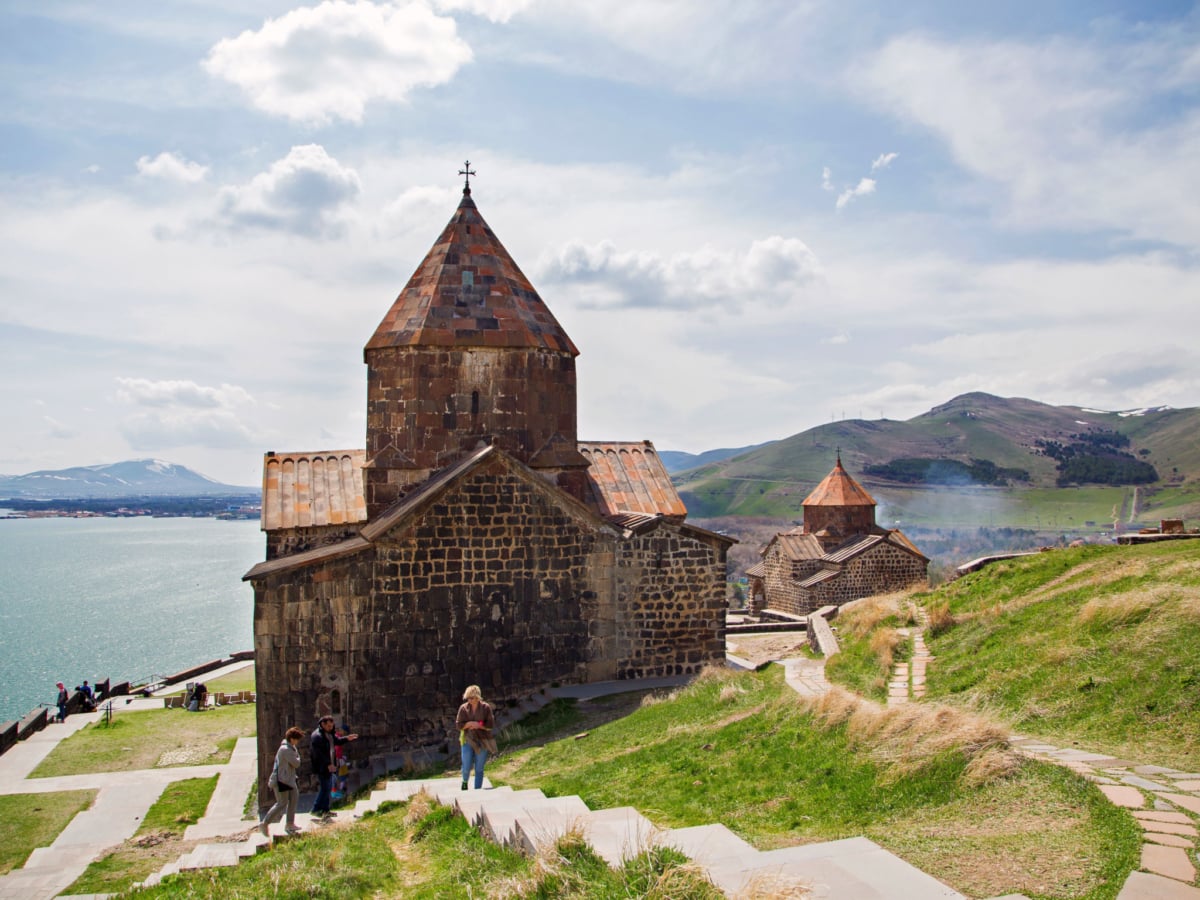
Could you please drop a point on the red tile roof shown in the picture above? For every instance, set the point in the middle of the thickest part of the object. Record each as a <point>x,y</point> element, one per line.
<point>630,478</point>
<point>839,489</point>
<point>307,489</point>
<point>468,292</point>
<point>628,485</point>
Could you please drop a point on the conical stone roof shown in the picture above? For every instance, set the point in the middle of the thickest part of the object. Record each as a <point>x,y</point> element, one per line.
<point>839,489</point>
<point>468,292</point>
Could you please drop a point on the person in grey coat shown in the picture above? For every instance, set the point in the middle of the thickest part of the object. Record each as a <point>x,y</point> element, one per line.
<point>283,783</point>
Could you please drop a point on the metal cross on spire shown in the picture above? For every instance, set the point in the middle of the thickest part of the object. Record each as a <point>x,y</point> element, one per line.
<point>467,172</point>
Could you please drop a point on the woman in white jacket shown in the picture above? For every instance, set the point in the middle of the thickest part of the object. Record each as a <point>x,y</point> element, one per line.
<point>283,783</point>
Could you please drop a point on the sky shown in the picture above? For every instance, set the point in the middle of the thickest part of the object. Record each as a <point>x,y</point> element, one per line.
<point>751,216</point>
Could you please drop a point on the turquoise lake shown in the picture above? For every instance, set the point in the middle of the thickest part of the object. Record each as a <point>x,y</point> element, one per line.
<point>126,598</point>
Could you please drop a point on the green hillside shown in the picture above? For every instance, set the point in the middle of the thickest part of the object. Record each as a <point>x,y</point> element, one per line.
<point>1097,646</point>
<point>1011,434</point>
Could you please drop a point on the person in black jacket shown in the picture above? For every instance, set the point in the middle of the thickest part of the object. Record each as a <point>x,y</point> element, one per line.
<point>321,745</point>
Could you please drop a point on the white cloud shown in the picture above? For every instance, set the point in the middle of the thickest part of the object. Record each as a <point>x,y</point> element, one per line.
<point>883,161</point>
<point>92,169</point>
<point>58,430</point>
<point>865,186</point>
<point>316,64</point>
<point>144,392</point>
<point>172,168</point>
<point>181,413</point>
<point>494,10</point>
<point>772,270</point>
<point>836,339</point>
<point>827,179</point>
<point>303,193</point>
<point>1064,126</point>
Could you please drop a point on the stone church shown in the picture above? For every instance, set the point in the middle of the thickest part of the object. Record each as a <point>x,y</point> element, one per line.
<point>837,555</point>
<point>476,539</point>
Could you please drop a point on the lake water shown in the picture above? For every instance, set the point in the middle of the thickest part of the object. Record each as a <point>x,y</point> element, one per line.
<point>126,598</point>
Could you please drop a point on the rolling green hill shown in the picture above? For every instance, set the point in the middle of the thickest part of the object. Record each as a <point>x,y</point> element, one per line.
<point>1011,434</point>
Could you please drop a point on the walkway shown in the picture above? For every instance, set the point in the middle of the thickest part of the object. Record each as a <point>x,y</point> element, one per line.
<point>121,804</point>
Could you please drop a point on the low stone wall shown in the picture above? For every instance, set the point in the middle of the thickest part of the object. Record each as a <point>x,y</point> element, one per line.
<point>8,735</point>
<point>32,723</point>
<point>820,636</point>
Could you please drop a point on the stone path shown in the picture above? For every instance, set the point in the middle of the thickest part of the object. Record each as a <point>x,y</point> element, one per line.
<point>122,800</point>
<point>1166,803</point>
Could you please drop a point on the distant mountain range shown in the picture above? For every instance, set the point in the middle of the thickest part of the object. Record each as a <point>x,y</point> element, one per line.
<point>1012,461</point>
<point>132,478</point>
<point>678,461</point>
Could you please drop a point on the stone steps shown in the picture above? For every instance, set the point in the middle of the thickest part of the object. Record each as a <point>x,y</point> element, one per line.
<point>527,820</point>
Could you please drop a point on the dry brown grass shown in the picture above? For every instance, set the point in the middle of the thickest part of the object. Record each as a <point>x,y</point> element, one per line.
<point>861,617</point>
<point>906,738</point>
<point>421,805</point>
<point>774,887</point>
<point>938,619</point>
<point>883,645</point>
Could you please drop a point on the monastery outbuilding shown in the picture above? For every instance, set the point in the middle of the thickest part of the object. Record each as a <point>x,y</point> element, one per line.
<point>475,540</point>
<point>837,555</point>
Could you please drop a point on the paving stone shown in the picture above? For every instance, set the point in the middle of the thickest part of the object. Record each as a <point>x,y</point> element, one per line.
<point>1171,862</point>
<point>1187,785</point>
<point>1187,801</point>
<point>1175,776</point>
<point>1144,886</point>
<point>1170,840</point>
<point>1145,783</point>
<point>1158,816</point>
<point>1153,770</point>
<point>855,868</point>
<point>619,833</point>
<point>207,856</point>
<point>469,803</point>
<point>1123,795</point>
<point>708,844</point>
<point>542,825</point>
<point>1172,828</point>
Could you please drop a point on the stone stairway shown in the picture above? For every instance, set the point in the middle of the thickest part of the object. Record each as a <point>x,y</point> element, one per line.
<point>528,820</point>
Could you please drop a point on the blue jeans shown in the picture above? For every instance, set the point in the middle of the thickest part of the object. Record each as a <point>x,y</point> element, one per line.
<point>325,780</point>
<point>476,757</point>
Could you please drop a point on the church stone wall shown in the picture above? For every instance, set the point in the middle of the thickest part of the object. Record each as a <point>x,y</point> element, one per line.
<point>492,584</point>
<point>438,403</point>
<point>671,603</point>
<point>287,541</point>
<point>881,569</point>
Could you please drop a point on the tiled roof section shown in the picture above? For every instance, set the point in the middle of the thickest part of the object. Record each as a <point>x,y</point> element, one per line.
<point>817,578</point>
<point>898,537</point>
<point>853,548</point>
<point>306,489</point>
<point>319,555</point>
<point>796,546</point>
<point>758,570</point>
<point>468,292</point>
<point>634,521</point>
<point>839,489</point>
<point>630,478</point>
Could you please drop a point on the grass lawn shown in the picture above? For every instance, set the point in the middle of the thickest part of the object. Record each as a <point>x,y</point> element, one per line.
<point>1099,645</point>
<point>158,841</point>
<point>742,750</point>
<point>241,680</point>
<point>29,821</point>
<point>416,851</point>
<point>145,739</point>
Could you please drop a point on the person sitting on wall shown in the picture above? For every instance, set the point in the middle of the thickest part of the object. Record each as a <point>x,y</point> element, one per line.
<point>89,697</point>
<point>321,745</point>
